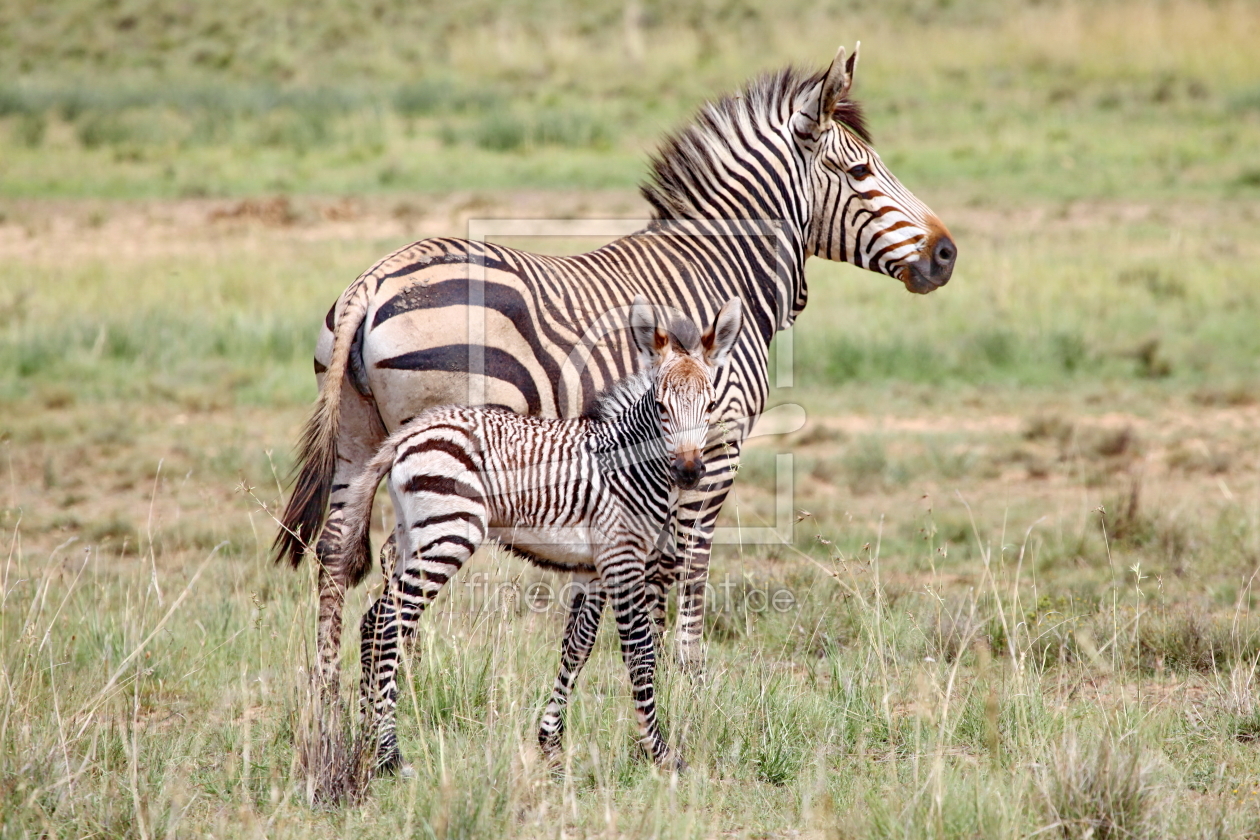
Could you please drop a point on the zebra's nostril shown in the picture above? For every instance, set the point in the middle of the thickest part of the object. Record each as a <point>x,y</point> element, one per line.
<point>944,252</point>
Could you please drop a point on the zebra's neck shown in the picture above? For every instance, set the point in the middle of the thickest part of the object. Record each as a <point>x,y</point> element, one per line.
<point>737,161</point>
<point>627,426</point>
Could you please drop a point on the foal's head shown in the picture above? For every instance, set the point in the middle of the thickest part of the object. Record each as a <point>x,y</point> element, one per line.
<point>684,363</point>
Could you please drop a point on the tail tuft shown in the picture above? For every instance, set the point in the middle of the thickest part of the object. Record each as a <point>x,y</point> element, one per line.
<point>317,452</point>
<point>304,513</point>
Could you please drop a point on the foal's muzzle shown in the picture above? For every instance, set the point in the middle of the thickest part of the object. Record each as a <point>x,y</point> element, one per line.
<point>686,472</point>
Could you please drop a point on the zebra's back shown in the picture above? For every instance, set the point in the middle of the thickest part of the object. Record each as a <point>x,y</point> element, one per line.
<point>545,332</point>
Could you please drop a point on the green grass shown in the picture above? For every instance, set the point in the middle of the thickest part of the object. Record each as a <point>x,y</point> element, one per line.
<point>1084,297</point>
<point>139,703</point>
<point>986,99</point>
<point>1022,582</point>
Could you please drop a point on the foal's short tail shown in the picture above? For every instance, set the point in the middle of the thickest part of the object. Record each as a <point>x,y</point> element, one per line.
<point>355,549</point>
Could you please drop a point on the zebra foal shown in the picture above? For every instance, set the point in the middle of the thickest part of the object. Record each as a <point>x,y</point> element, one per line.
<point>594,495</point>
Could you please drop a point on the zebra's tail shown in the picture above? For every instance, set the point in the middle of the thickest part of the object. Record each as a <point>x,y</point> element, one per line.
<point>355,550</point>
<point>317,451</point>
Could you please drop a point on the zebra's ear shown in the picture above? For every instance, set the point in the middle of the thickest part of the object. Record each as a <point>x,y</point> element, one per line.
<point>815,113</point>
<point>649,339</point>
<point>719,338</point>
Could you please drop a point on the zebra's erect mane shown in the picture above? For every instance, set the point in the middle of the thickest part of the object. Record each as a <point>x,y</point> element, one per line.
<point>688,157</point>
<point>616,398</point>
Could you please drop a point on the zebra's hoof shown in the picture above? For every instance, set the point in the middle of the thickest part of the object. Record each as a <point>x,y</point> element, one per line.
<point>390,762</point>
<point>406,772</point>
<point>553,760</point>
<point>672,762</point>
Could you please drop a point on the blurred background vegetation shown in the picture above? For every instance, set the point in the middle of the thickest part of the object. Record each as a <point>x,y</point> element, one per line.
<point>988,97</point>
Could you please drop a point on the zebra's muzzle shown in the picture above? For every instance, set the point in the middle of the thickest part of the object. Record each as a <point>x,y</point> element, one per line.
<point>686,472</point>
<point>934,267</point>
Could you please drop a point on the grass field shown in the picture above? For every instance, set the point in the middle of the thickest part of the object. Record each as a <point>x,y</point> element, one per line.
<point>1018,596</point>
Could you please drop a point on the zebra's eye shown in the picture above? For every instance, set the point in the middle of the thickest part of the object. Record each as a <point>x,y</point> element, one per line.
<point>712,407</point>
<point>859,171</point>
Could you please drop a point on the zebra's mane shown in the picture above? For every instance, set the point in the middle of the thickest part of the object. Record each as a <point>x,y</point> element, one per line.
<point>613,401</point>
<point>688,157</point>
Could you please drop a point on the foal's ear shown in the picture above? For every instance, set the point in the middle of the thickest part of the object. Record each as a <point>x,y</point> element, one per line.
<point>650,340</point>
<point>720,336</point>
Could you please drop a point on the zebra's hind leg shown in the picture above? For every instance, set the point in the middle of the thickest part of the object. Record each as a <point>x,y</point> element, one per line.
<point>389,556</point>
<point>358,437</point>
<point>580,630</point>
<point>332,597</point>
<point>393,619</point>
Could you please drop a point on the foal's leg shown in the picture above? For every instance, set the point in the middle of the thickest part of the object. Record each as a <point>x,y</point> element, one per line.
<point>658,579</point>
<point>624,580</point>
<point>389,555</point>
<point>695,524</point>
<point>441,547</point>
<point>580,631</point>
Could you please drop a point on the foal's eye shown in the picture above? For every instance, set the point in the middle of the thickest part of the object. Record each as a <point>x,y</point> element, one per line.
<point>859,171</point>
<point>712,407</point>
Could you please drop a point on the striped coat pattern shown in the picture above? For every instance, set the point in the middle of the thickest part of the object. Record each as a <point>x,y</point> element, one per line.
<point>593,495</point>
<point>759,182</point>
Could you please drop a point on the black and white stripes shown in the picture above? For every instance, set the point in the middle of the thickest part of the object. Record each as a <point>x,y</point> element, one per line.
<point>593,495</point>
<point>758,183</point>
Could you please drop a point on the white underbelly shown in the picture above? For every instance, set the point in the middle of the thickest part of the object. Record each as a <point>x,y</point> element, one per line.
<point>570,547</point>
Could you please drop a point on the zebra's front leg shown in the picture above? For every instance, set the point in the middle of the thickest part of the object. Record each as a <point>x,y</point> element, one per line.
<point>580,630</point>
<point>634,629</point>
<point>416,581</point>
<point>697,521</point>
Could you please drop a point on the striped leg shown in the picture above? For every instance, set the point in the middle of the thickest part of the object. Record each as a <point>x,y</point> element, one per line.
<point>360,434</point>
<point>657,587</point>
<point>580,631</point>
<point>697,520</point>
<point>629,604</point>
<point>444,548</point>
<point>389,556</point>
<point>332,596</point>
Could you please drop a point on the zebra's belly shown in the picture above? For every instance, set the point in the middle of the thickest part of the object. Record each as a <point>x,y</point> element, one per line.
<point>568,548</point>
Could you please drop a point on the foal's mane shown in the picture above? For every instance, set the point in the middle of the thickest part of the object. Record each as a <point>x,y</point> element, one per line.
<point>688,156</point>
<point>619,396</point>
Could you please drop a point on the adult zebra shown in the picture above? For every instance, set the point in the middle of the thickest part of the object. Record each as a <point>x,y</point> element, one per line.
<point>759,182</point>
